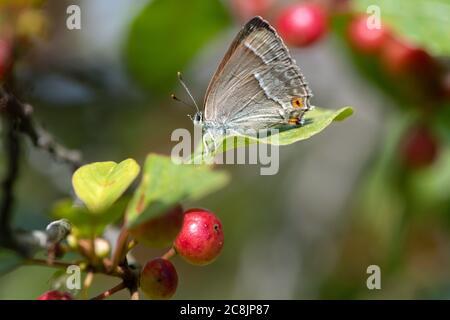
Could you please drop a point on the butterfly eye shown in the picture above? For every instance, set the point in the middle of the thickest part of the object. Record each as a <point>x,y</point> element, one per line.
<point>297,102</point>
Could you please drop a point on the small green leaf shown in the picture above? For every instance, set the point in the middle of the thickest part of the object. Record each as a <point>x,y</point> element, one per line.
<point>166,35</point>
<point>316,120</point>
<point>100,184</point>
<point>424,22</point>
<point>9,260</point>
<point>165,184</point>
<point>84,223</point>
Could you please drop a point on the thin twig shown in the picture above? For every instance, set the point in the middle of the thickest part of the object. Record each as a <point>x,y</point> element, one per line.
<point>22,113</point>
<point>169,254</point>
<point>134,295</point>
<point>121,248</point>
<point>87,283</point>
<point>13,152</point>
<point>110,292</point>
<point>56,264</point>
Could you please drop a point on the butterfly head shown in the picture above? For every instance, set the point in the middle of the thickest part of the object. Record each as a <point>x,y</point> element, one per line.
<point>197,118</point>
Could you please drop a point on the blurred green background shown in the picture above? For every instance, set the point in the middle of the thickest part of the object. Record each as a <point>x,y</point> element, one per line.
<point>342,200</point>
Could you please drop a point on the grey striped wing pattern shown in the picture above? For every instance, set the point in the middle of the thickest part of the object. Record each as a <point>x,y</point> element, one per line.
<point>256,82</point>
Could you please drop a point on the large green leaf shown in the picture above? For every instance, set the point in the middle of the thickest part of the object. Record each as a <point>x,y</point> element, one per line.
<point>164,184</point>
<point>9,260</point>
<point>316,120</point>
<point>84,223</point>
<point>166,35</point>
<point>425,22</point>
<point>100,184</point>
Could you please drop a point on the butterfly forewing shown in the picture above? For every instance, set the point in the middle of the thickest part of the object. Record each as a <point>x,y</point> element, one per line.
<point>256,82</point>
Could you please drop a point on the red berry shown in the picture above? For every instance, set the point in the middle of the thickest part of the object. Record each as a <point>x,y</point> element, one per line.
<point>247,9</point>
<point>5,57</point>
<point>365,39</point>
<point>302,24</point>
<point>420,148</point>
<point>159,279</point>
<point>400,57</point>
<point>55,295</point>
<point>201,237</point>
<point>160,231</point>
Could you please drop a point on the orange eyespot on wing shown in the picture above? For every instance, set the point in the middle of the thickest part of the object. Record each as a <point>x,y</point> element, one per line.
<point>297,102</point>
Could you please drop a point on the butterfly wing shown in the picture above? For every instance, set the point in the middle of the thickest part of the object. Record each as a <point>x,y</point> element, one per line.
<point>256,82</point>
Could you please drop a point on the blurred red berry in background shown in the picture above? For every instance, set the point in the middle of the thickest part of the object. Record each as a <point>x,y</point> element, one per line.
<point>400,57</point>
<point>420,148</point>
<point>5,56</point>
<point>247,9</point>
<point>302,24</point>
<point>55,295</point>
<point>365,39</point>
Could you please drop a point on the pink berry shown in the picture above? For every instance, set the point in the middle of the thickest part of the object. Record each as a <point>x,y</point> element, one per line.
<point>420,148</point>
<point>247,9</point>
<point>302,24</point>
<point>159,279</point>
<point>364,39</point>
<point>5,57</point>
<point>201,237</point>
<point>55,295</point>
<point>160,231</point>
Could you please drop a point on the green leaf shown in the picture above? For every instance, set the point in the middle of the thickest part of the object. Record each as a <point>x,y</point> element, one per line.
<point>100,184</point>
<point>166,35</point>
<point>316,120</point>
<point>84,223</point>
<point>9,260</point>
<point>165,184</point>
<point>424,22</point>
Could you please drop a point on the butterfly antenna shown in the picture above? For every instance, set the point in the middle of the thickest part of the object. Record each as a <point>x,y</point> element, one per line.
<point>180,78</point>
<point>174,97</point>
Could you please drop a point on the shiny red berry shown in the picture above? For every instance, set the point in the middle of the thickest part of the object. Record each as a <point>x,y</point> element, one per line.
<point>201,237</point>
<point>55,295</point>
<point>302,24</point>
<point>159,279</point>
<point>364,38</point>
<point>160,231</point>
<point>419,148</point>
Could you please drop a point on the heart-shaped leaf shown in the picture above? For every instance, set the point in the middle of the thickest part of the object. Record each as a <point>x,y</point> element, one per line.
<point>165,184</point>
<point>316,120</point>
<point>84,223</point>
<point>100,184</point>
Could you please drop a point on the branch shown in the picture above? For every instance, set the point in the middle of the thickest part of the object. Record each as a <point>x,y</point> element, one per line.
<point>110,292</point>
<point>22,114</point>
<point>18,119</point>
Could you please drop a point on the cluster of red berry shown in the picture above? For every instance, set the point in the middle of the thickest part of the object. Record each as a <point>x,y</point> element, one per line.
<point>304,23</point>
<point>198,238</point>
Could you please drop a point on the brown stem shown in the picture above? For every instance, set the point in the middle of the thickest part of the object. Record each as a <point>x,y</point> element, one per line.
<point>110,292</point>
<point>22,113</point>
<point>87,283</point>
<point>121,248</point>
<point>134,295</point>
<point>169,254</point>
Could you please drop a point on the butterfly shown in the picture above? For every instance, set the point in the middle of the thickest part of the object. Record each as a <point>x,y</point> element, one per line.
<point>257,86</point>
